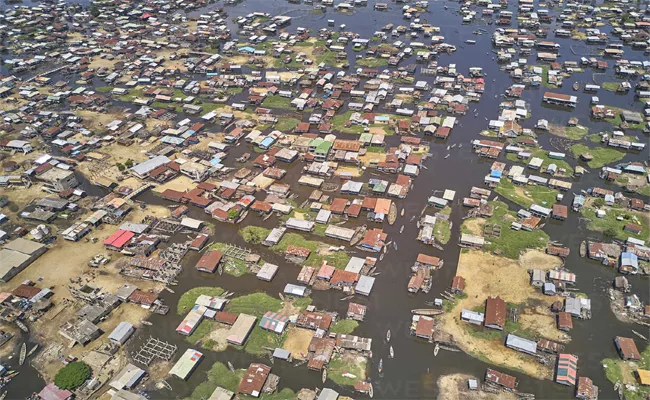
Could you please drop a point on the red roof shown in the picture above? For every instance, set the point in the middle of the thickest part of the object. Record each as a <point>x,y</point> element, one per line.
<point>119,239</point>
<point>51,392</point>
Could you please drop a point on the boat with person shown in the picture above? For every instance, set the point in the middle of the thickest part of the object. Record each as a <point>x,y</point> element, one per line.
<point>380,367</point>
<point>388,336</point>
<point>401,229</point>
<point>324,375</point>
<point>391,353</point>
<point>436,349</point>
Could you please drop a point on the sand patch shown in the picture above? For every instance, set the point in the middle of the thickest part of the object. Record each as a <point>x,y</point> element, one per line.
<point>455,387</point>
<point>537,259</point>
<point>475,225</point>
<point>217,337</point>
<point>491,275</point>
<point>297,342</point>
<point>180,183</point>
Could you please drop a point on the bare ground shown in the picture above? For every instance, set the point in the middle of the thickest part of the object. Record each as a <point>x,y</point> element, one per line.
<point>297,342</point>
<point>454,387</point>
<point>219,336</point>
<point>487,274</point>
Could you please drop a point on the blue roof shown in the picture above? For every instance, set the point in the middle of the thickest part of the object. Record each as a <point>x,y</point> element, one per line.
<point>496,174</point>
<point>267,142</point>
<point>247,49</point>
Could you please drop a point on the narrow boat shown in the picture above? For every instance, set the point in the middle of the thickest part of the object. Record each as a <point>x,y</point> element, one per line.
<point>371,391</point>
<point>391,353</point>
<point>324,376</point>
<point>447,156</point>
<point>448,147</point>
<point>231,367</point>
<point>395,245</point>
<point>23,354</point>
<point>576,86</point>
<point>4,394</point>
<point>426,311</point>
<point>392,213</point>
<point>281,296</point>
<point>401,229</point>
<point>436,350</point>
<point>146,323</point>
<point>380,367</point>
<point>169,290</point>
<point>32,350</point>
<point>381,257</point>
<point>388,336</point>
<point>402,212</point>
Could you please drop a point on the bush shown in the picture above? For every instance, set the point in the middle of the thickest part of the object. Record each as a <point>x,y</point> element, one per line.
<point>72,375</point>
<point>120,166</point>
<point>599,202</point>
<point>128,163</point>
<point>610,232</point>
<point>254,234</point>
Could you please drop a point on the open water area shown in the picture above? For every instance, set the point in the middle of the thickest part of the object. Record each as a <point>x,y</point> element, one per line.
<point>413,372</point>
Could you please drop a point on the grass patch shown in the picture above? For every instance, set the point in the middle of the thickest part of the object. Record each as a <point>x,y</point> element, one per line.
<point>644,190</point>
<point>442,231</point>
<point>103,89</point>
<point>340,121</point>
<point>201,331</point>
<point>256,304</point>
<point>286,124</point>
<point>235,267</point>
<point>234,90</point>
<point>449,305</point>
<point>601,155</point>
<point>575,132</point>
<point>611,226</point>
<point>527,195</point>
<point>260,338</point>
<point>345,326</point>
<point>511,243</point>
<point>616,121</point>
<point>277,102</point>
<point>254,234</point>
<point>218,375</point>
<point>611,86</point>
<point>301,302</point>
<point>188,299</point>
<point>338,259</point>
<point>338,366</point>
<point>372,62</point>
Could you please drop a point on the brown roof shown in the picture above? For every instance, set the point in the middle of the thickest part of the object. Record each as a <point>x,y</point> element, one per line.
<point>209,261</point>
<point>429,260</point>
<point>458,283</point>
<point>424,327</point>
<point>627,348</point>
<point>560,210</point>
<point>585,388</point>
<point>495,312</point>
<point>140,297</point>
<point>338,205</point>
<point>254,379</point>
<point>564,320</point>
<point>500,378</point>
<point>297,251</point>
<point>226,317</point>
<point>344,276</point>
<point>26,291</point>
<point>348,145</point>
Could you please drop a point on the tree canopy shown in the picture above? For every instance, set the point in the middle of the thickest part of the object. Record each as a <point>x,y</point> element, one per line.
<point>72,375</point>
